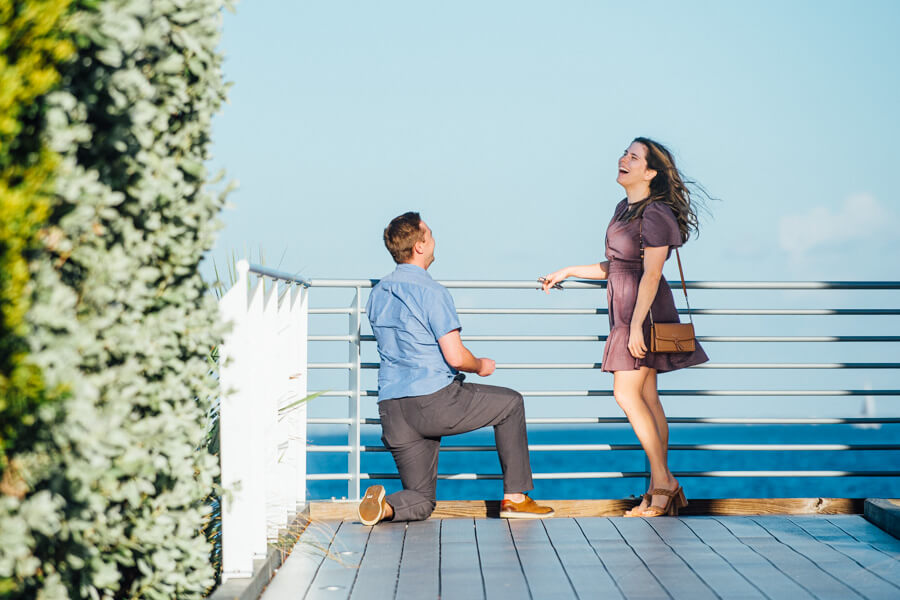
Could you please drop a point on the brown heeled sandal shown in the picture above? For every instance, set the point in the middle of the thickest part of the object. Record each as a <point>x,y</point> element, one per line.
<point>675,501</point>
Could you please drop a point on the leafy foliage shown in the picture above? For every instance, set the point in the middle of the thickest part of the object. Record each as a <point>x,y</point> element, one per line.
<point>32,47</point>
<point>116,478</point>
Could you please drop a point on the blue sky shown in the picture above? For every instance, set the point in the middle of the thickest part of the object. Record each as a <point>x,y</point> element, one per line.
<point>501,123</point>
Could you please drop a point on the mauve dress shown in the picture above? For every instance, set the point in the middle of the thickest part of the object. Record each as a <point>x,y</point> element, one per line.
<point>623,250</point>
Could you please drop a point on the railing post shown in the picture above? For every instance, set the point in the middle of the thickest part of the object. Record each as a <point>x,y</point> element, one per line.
<point>647,471</point>
<point>354,412</point>
<point>273,378</point>
<point>253,426</point>
<point>298,389</point>
<point>243,508</point>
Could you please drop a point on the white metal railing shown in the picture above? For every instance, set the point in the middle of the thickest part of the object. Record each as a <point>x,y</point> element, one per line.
<point>264,368</point>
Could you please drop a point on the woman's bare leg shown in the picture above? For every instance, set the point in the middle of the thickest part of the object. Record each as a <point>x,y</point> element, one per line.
<point>650,395</point>
<point>628,388</point>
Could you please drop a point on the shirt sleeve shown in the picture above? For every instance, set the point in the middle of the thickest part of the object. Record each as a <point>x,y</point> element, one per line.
<point>660,228</point>
<point>442,318</point>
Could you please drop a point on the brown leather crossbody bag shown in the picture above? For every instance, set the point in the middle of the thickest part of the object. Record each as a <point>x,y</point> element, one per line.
<point>671,337</point>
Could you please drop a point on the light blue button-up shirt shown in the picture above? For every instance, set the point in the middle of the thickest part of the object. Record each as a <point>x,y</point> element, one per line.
<point>409,311</point>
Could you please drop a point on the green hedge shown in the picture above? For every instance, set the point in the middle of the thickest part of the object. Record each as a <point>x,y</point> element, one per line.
<point>32,46</point>
<point>120,319</point>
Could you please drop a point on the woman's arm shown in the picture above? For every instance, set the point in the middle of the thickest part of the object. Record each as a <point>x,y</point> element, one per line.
<point>594,271</point>
<point>654,259</point>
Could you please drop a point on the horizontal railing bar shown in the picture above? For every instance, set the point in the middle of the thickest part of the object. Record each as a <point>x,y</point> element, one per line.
<point>702,338</point>
<point>590,284</point>
<point>602,338</point>
<point>798,366</point>
<point>761,420</point>
<point>671,420</point>
<point>368,365</point>
<point>802,338</point>
<point>275,274</point>
<point>683,311</point>
<point>618,475</point>
<point>792,311</point>
<point>631,447</point>
<point>738,393</point>
<point>334,476</point>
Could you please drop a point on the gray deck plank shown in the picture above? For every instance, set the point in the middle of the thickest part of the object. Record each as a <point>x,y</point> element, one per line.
<point>626,568</point>
<point>672,572</point>
<point>586,572</point>
<point>377,577</point>
<point>545,575</point>
<point>745,560</point>
<point>864,531</point>
<point>714,570</point>
<point>307,555</point>
<point>742,527</point>
<point>838,565</point>
<point>419,563</point>
<point>793,564</point>
<point>785,557</point>
<point>500,566</point>
<point>460,567</point>
<point>874,560</point>
<point>336,575</point>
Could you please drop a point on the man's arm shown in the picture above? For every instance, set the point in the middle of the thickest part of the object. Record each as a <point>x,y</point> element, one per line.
<point>459,357</point>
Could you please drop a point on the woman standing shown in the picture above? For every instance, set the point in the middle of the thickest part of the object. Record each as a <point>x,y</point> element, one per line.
<point>655,217</point>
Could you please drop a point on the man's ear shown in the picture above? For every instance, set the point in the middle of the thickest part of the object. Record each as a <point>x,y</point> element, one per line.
<point>419,247</point>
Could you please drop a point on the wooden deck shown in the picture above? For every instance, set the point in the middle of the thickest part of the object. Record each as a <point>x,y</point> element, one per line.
<point>787,557</point>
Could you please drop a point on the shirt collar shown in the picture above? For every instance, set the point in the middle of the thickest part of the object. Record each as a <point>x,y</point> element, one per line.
<point>411,268</point>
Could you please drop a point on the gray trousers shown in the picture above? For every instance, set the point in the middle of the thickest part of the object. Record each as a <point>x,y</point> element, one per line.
<point>412,428</point>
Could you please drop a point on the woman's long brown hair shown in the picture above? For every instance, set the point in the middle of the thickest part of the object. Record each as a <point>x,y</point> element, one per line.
<point>669,187</point>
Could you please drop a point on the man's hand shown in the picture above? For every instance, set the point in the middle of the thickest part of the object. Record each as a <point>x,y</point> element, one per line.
<point>459,357</point>
<point>486,366</point>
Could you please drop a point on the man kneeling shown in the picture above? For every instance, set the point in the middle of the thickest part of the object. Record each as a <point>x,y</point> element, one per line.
<point>421,394</point>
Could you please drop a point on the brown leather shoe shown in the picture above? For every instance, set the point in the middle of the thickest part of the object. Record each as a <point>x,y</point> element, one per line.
<point>371,508</point>
<point>526,509</point>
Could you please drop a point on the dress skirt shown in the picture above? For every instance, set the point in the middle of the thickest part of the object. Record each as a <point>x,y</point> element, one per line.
<point>621,295</point>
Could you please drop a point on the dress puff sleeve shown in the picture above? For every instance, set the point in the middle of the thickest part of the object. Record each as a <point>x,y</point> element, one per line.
<point>660,228</point>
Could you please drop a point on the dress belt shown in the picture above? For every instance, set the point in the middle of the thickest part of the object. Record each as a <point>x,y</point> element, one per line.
<point>617,266</point>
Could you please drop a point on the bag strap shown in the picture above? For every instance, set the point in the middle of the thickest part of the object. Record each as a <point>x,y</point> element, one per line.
<point>680,272</point>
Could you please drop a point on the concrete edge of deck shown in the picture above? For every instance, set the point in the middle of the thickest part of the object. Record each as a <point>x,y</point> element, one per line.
<point>885,514</point>
<point>251,588</point>
<point>343,510</point>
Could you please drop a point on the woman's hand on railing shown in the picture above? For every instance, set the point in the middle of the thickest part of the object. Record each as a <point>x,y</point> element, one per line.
<point>552,280</point>
<point>594,271</point>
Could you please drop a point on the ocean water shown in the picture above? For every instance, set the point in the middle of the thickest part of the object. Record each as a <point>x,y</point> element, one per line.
<point>632,461</point>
